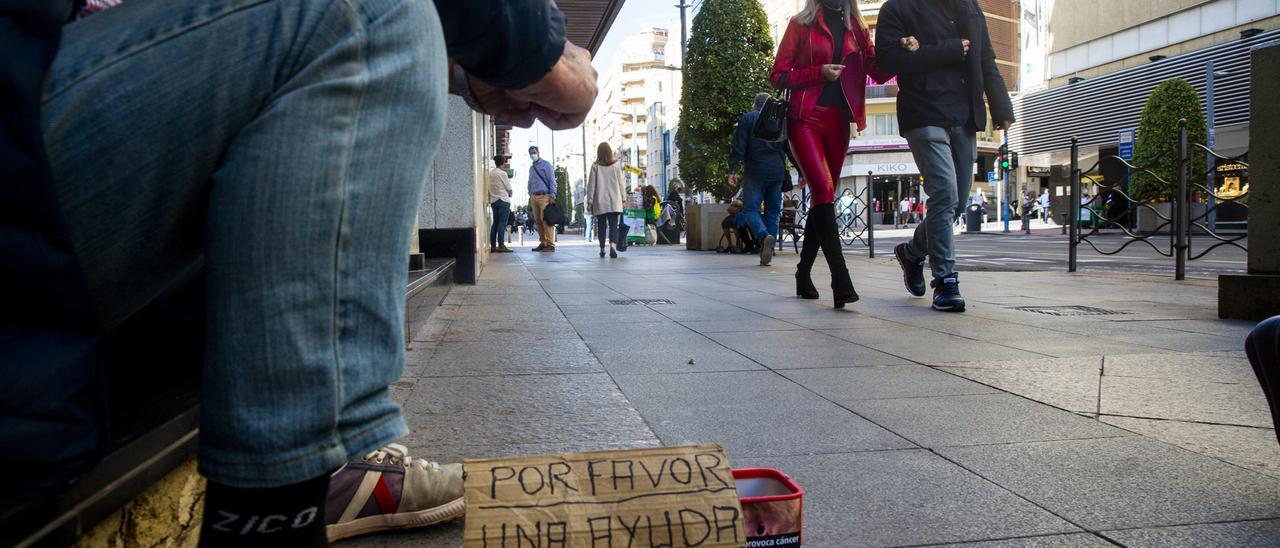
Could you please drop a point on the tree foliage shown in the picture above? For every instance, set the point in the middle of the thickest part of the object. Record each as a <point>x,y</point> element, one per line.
<point>727,63</point>
<point>1158,145</point>
<point>564,198</point>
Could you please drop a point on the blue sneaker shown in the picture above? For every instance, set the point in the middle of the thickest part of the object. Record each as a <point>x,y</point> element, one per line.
<point>946,294</point>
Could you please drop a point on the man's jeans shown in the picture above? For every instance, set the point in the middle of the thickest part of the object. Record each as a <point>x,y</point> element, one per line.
<point>279,148</point>
<point>753,194</point>
<point>946,159</point>
<point>497,232</point>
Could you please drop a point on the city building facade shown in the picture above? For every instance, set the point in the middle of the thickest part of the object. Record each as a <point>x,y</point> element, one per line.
<point>1102,59</point>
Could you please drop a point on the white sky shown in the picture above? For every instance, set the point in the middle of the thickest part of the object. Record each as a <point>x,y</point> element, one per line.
<point>635,16</point>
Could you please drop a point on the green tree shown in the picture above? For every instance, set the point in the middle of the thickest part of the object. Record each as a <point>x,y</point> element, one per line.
<point>564,198</point>
<point>728,60</point>
<point>1158,141</point>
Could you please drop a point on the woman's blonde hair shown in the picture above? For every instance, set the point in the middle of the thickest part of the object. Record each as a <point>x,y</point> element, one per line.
<point>604,155</point>
<point>813,10</point>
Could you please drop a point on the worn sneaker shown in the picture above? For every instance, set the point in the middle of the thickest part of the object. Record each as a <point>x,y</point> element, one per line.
<point>387,490</point>
<point>766,250</point>
<point>946,294</point>
<point>912,271</point>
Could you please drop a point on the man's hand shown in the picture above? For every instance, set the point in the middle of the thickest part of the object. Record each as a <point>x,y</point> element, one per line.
<point>560,100</point>
<point>1004,125</point>
<point>966,46</point>
<point>910,43</point>
<point>831,72</point>
<point>733,181</point>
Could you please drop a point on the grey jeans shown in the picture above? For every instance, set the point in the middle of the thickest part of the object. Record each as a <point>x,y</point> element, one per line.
<point>945,157</point>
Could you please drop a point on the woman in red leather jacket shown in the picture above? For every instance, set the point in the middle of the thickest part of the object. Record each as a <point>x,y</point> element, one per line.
<point>825,58</point>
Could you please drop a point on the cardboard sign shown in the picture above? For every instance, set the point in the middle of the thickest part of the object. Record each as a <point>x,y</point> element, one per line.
<point>664,496</point>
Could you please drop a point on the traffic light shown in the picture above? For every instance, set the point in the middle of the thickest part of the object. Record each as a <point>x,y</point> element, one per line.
<point>1002,159</point>
<point>1013,160</point>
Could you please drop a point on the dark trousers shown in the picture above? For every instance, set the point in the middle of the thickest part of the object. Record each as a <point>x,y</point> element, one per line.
<point>1263,349</point>
<point>501,210</point>
<point>607,227</point>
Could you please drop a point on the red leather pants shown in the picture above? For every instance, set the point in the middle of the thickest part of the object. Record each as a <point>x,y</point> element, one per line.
<point>820,142</point>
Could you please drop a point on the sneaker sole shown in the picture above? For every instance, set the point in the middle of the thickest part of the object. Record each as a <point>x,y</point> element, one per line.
<point>766,252</point>
<point>391,522</point>
<point>903,263</point>
<point>949,309</point>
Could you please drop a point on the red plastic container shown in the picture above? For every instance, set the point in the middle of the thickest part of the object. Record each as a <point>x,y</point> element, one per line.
<point>772,507</point>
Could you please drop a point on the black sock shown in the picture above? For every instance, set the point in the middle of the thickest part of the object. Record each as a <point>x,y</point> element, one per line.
<point>292,515</point>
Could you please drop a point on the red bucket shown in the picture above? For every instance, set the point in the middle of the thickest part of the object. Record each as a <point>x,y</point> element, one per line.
<point>772,507</point>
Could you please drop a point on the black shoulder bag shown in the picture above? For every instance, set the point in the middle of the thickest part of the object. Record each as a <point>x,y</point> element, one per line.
<point>771,125</point>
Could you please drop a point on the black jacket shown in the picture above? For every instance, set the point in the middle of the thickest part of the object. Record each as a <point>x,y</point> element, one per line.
<point>939,85</point>
<point>762,160</point>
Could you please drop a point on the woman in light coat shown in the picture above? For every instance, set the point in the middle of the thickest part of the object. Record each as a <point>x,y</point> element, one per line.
<point>605,189</point>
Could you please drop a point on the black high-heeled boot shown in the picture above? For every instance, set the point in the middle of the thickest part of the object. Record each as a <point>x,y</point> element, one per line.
<point>808,253</point>
<point>841,285</point>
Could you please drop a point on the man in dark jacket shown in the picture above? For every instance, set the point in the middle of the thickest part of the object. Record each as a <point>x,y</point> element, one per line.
<point>764,172</point>
<point>942,54</point>
<point>278,150</point>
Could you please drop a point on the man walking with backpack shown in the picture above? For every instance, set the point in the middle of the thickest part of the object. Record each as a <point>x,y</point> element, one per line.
<point>946,44</point>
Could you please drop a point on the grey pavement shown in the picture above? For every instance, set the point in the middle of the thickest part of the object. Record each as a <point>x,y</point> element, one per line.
<point>1027,421</point>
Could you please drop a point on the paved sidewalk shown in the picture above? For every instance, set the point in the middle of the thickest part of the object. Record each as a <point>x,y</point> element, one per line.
<point>1140,424</point>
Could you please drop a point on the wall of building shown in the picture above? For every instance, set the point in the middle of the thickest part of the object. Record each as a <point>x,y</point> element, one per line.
<point>1083,44</point>
<point>452,216</point>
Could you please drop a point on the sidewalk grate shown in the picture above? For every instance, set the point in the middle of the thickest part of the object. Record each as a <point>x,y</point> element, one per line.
<point>642,302</point>
<point>1069,310</point>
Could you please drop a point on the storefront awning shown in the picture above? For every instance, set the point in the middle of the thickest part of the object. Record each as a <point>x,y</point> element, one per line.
<point>589,20</point>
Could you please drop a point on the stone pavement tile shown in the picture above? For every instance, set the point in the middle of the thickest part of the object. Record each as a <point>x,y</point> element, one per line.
<point>807,349</point>
<point>788,308</point>
<point>750,414</point>
<point>701,311</point>
<point>1074,540</point>
<point>857,320</point>
<point>980,419</point>
<point>608,314</point>
<point>515,410</point>
<point>848,384</point>
<point>1124,482</point>
<point>1237,329</point>
<point>458,453</point>
<point>754,322</point>
<point>528,298</point>
<point>1065,383</point>
<point>609,330</point>
<point>1216,367</point>
<point>506,328</point>
<point>1250,534</point>
<point>507,357</point>
<point>702,358</point>
<point>930,347</point>
<point>1252,448</point>
<point>895,498</point>
<point>1181,341</point>
<point>628,339</point>
<point>1043,340</point>
<point>587,299</point>
<point>1185,400</point>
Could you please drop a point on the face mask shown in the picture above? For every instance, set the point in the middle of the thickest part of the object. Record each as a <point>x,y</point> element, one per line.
<point>510,172</point>
<point>534,157</point>
<point>833,4</point>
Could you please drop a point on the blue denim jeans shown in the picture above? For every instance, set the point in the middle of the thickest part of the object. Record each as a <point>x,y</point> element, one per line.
<point>946,158</point>
<point>770,194</point>
<point>279,148</point>
<point>497,232</point>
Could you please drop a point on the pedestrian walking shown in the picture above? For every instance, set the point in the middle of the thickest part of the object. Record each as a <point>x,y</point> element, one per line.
<point>542,193</point>
<point>825,58</point>
<point>942,53</point>
<point>764,171</point>
<point>904,212</point>
<point>1043,204</point>
<point>500,203</point>
<point>279,172</point>
<point>605,190</point>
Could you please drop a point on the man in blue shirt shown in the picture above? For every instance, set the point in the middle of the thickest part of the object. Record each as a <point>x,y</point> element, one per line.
<point>542,193</point>
<point>764,171</point>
